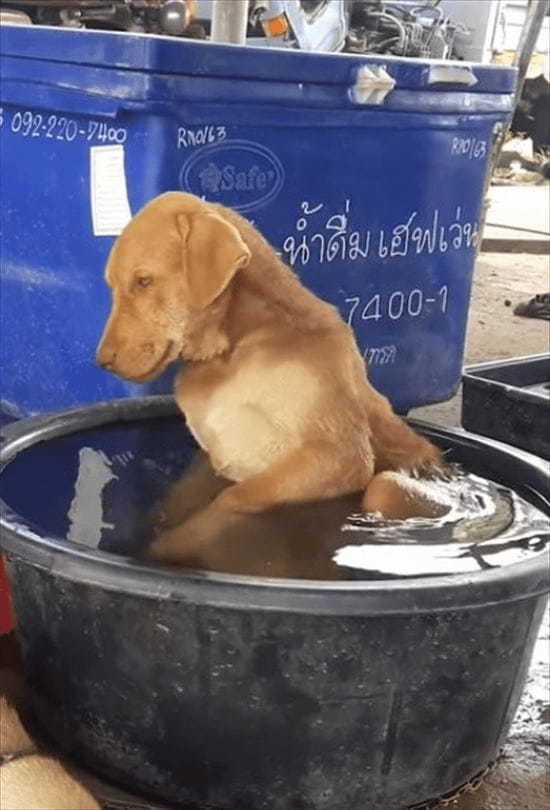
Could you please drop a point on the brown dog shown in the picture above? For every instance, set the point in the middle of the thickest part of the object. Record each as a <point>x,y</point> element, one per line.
<point>273,388</point>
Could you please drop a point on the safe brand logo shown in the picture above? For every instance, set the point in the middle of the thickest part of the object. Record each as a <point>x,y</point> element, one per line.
<point>240,174</point>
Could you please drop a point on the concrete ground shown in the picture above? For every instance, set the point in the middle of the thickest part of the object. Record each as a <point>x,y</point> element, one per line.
<point>494,332</point>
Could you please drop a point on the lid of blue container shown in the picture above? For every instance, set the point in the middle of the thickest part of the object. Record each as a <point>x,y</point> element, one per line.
<point>169,55</point>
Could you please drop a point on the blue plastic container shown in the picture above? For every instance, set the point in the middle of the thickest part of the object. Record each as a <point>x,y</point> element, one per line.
<point>374,199</point>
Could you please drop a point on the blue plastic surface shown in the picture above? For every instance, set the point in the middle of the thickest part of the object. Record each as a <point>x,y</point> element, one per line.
<point>376,207</point>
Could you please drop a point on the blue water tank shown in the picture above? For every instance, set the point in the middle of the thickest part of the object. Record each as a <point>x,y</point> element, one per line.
<point>365,173</point>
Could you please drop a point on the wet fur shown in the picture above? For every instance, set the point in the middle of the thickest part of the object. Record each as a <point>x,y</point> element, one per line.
<point>274,388</point>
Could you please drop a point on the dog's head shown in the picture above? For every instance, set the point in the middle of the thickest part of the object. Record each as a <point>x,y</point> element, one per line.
<point>166,271</point>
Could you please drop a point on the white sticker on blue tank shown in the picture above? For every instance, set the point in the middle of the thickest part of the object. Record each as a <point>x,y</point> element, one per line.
<point>108,193</point>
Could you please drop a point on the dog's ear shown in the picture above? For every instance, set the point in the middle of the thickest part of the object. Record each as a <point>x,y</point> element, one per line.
<point>213,251</point>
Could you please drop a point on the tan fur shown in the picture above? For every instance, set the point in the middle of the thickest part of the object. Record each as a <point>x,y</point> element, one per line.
<point>402,497</point>
<point>13,737</point>
<point>274,388</point>
<point>34,781</point>
<point>38,782</point>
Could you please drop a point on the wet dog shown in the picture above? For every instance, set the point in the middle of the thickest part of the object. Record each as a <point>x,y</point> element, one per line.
<point>273,386</point>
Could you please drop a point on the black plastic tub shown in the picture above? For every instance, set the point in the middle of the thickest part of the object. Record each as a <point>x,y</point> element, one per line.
<point>509,400</point>
<point>248,693</point>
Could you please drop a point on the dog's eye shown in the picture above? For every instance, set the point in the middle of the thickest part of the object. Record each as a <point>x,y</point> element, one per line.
<point>144,281</point>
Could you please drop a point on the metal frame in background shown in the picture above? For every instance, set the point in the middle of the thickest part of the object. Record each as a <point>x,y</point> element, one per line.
<point>536,12</point>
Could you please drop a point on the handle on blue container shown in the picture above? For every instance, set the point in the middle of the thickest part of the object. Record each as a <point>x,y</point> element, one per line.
<point>452,73</point>
<point>57,99</point>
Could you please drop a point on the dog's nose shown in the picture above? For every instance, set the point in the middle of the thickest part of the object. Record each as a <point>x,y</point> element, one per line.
<point>106,360</point>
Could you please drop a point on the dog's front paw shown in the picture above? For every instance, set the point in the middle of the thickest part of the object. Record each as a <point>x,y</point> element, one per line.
<point>169,513</point>
<point>186,542</point>
<point>169,546</point>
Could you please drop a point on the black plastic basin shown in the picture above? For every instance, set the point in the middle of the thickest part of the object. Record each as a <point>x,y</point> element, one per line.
<point>249,693</point>
<point>509,400</point>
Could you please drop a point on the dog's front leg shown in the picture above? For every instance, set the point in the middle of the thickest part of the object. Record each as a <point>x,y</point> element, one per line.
<point>316,471</point>
<point>196,488</point>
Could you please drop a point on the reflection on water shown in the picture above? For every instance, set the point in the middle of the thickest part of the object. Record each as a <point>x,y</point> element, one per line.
<point>487,526</point>
<point>86,522</point>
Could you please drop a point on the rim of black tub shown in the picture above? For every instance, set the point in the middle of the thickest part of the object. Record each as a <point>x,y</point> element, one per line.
<point>68,560</point>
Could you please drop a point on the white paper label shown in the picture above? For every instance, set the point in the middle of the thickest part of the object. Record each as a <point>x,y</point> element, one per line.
<point>108,192</point>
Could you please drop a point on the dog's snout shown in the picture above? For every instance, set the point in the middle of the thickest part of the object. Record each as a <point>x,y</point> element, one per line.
<point>106,359</point>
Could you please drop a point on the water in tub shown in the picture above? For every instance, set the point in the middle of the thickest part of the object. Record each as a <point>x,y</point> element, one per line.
<point>485,526</point>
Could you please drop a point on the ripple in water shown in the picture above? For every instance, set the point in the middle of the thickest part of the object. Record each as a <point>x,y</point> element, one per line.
<point>487,526</point>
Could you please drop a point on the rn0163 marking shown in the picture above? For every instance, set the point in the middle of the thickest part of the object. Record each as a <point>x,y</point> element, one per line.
<point>472,148</point>
<point>200,136</point>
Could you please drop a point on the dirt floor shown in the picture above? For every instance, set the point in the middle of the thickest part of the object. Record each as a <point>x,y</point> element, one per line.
<point>494,332</point>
